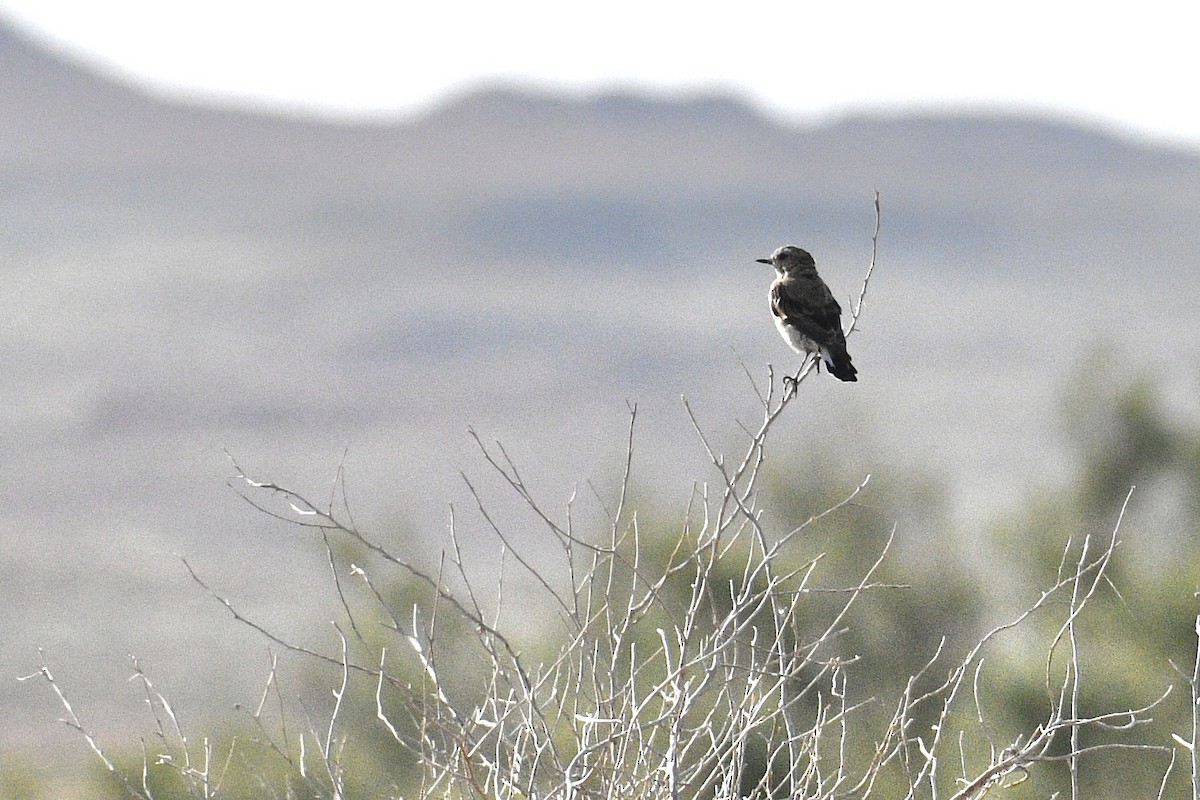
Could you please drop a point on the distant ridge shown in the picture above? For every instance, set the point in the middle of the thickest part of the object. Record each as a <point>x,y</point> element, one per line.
<point>38,77</point>
<point>51,97</point>
<point>616,106</point>
<point>640,173</point>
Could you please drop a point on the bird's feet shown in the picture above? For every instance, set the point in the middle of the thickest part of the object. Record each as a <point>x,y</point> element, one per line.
<point>791,383</point>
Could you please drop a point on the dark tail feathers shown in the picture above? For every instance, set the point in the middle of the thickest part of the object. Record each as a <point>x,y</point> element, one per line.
<point>839,366</point>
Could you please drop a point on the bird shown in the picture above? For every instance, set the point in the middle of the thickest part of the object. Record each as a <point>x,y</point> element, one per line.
<point>808,317</point>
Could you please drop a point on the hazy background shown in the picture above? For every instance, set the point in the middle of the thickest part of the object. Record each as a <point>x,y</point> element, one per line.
<point>180,279</point>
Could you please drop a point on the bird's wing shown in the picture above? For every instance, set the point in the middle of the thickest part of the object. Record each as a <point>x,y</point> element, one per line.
<point>811,309</point>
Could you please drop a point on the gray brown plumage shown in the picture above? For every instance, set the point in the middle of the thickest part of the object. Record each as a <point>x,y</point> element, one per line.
<point>807,316</point>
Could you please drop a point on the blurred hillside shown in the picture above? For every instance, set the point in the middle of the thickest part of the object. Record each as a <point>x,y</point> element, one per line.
<point>179,280</point>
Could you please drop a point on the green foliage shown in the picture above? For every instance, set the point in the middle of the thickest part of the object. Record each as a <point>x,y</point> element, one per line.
<point>1142,622</point>
<point>19,777</point>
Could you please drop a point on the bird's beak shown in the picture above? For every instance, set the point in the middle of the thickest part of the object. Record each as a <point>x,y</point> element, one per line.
<point>763,260</point>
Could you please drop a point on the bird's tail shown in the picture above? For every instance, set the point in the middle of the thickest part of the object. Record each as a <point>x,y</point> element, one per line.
<point>837,361</point>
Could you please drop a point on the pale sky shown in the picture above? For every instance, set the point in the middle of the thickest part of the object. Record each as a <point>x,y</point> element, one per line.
<point>1130,66</point>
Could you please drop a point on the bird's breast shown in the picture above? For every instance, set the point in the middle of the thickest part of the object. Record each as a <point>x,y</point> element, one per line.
<point>795,339</point>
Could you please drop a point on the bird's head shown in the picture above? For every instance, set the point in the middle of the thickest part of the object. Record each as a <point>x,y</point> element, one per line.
<point>789,259</point>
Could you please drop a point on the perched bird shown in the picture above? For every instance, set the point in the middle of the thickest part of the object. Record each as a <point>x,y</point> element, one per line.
<point>807,316</point>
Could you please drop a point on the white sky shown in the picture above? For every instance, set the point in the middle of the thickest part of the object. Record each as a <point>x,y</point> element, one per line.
<point>1132,66</point>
